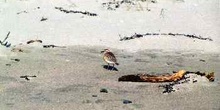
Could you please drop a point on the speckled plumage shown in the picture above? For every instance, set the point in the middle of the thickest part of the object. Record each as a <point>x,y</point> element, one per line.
<point>109,57</point>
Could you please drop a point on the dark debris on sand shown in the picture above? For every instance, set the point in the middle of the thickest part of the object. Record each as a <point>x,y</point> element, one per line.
<point>17,60</point>
<point>5,42</point>
<point>26,77</point>
<point>164,34</point>
<point>103,90</point>
<point>72,11</point>
<point>127,101</point>
<point>53,46</point>
<point>43,19</point>
<point>174,80</point>
<point>113,5</point>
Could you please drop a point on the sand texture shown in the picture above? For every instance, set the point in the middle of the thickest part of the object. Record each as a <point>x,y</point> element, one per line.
<point>50,54</point>
<point>71,79</point>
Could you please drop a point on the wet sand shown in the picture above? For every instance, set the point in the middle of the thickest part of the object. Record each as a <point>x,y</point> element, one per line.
<point>71,79</point>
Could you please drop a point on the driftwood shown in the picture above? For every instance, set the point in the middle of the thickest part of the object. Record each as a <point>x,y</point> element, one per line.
<point>164,78</point>
<point>173,79</point>
<point>32,41</point>
<point>164,34</point>
<point>72,11</point>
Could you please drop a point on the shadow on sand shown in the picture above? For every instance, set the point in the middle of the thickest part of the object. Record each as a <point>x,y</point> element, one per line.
<point>111,68</point>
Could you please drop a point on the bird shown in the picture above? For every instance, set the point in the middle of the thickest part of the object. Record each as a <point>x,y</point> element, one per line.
<point>109,57</point>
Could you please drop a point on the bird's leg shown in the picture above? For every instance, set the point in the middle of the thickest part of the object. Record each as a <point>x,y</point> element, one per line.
<point>108,66</point>
<point>113,67</point>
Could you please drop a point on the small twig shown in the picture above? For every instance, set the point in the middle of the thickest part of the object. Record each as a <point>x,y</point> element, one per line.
<point>32,41</point>
<point>22,12</point>
<point>4,42</point>
<point>27,77</point>
<point>52,46</point>
<point>5,38</point>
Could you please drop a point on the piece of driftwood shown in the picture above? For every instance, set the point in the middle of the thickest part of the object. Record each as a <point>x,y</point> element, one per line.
<point>164,78</point>
<point>173,79</point>
<point>72,11</point>
<point>32,41</point>
<point>164,34</point>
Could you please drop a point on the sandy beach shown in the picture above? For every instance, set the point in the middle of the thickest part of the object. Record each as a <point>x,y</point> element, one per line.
<point>71,78</point>
<point>50,54</point>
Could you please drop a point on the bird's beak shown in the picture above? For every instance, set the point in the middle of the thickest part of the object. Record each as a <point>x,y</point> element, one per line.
<point>102,51</point>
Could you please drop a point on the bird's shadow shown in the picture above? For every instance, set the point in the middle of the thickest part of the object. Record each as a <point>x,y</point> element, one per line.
<point>111,68</point>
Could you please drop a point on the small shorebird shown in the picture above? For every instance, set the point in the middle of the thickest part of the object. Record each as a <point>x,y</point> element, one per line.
<point>109,57</point>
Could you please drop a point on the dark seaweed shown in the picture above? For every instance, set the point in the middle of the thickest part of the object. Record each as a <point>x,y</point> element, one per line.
<point>72,11</point>
<point>163,34</point>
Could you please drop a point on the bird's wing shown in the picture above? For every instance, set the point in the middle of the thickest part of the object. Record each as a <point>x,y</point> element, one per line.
<point>111,57</point>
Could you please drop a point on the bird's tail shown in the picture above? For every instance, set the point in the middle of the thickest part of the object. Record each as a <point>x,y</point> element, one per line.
<point>117,63</point>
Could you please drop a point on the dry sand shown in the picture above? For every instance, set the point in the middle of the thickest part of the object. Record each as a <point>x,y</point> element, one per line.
<point>71,79</point>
